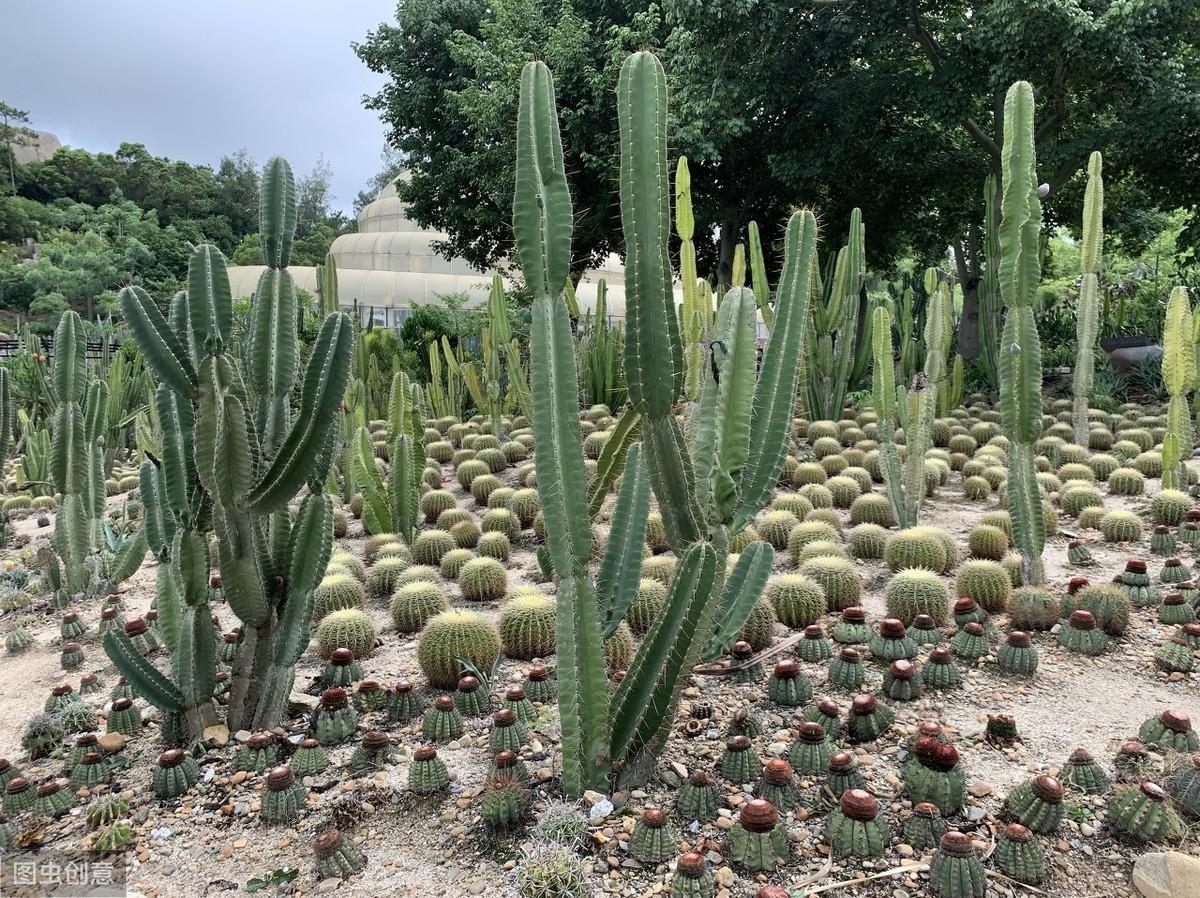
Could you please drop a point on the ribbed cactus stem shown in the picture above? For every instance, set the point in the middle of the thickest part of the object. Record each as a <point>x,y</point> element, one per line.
<point>1088,312</point>
<point>1021,354</point>
<point>1179,377</point>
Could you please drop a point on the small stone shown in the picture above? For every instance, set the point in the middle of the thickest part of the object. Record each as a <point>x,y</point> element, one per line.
<point>1167,874</point>
<point>980,790</point>
<point>329,884</point>
<point>905,849</point>
<point>725,877</point>
<point>476,887</point>
<point>601,809</point>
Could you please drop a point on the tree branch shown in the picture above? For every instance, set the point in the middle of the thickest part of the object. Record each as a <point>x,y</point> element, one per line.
<point>1059,115</point>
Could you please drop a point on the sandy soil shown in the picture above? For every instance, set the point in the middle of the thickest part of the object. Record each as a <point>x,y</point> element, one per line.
<point>212,841</point>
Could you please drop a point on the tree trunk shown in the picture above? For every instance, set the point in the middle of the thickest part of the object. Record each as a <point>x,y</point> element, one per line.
<point>729,231</point>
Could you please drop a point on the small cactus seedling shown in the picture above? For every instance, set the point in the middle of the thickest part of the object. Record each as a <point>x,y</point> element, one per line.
<point>1143,813</point>
<point>925,828</point>
<point>1170,731</point>
<point>810,753</point>
<point>442,722</point>
<point>1001,729</point>
<point>844,774</point>
<point>699,798</point>
<point>1037,804</point>
<point>847,671</point>
<point>504,805</point>
<point>868,719</point>
<point>956,871</point>
<point>403,703</point>
<point>372,754</point>
<point>853,828</point>
<point>1019,856</point>
<point>336,855</point>
<point>1017,655</point>
<point>788,687</point>
<point>778,785</point>
<point>692,877</point>
<point>1081,773</point>
<point>175,774</point>
<point>940,670</point>
<point>757,842</point>
<point>652,841</point>
<point>335,717</point>
<point>428,773</point>
<point>815,646</point>
<point>506,767</point>
<point>309,758</point>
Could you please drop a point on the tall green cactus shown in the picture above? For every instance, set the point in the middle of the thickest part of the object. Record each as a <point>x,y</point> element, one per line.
<point>696,310</point>
<point>990,301</point>
<point>393,507</point>
<point>234,457</point>
<point>1179,377</point>
<point>1087,320</point>
<point>831,364</point>
<point>1020,349</point>
<point>707,486</point>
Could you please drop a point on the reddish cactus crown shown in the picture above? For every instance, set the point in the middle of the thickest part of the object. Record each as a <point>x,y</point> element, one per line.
<point>1175,721</point>
<point>1080,756</point>
<point>468,684</point>
<point>92,757</point>
<point>172,757</point>
<point>941,655</point>
<point>787,670</point>
<point>1018,639</point>
<point>1172,562</point>
<point>892,629</point>
<point>505,759</point>
<point>1135,566</point>
<point>368,686</point>
<point>1173,598</point>
<point>402,687</point>
<point>758,816</point>
<point>70,617</point>
<point>742,649</point>
<point>901,669</point>
<point>70,648</point>
<point>924,622</point>
<point>108,613</point>
<point>777,772</point>
<point>504,718</point>
<point>1153,791</point>
<point>1015,832</point>
<point>854,615</point>
<point>279,778</point>
<point>310,743</point>
<point>122,704</point>
<point>1074,544</point>
<point>334,697</point>
<point>957,844</point>
<point>537,675</point>
<point>841,762</point>
<point>515,694</point>
<point>1047,788</point>
<point>1192,629</point>
<point>1134,749</point>
<point>814,631</point>
<point>62,689</point>
<point>135,627</point>
<point>858,804</point>
<point>701,779</point>
<point>81,741</point>
<point>975,628</point>
<point>341,657</point>
<point>691,865</point>
<point>812,733</point>
<point>444,703</point>
<point>738,743</point>
<point>1163,528</point>
<point>828,707</point>
<point>327,843</point>
<point>927,809</point>
<point>230,638</point>
<point>1082,620</point>
<point>849,655</point>
<point>1076,584</point>
<point>945,756</point>
<point>771,892</point>
<point>654,818</point>
<point>1192,514</point>
<point>929,728</point>
<point>259,741</point>
<point>50,787</point>
<point>425,753</point>
<point>17,784</point>
<point>374,740</point>
<point>864,705</point>
<point>87,680</point>
<point>964,605</point>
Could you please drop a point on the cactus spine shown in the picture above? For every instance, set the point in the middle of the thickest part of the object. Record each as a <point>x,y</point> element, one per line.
<point>1088,314</point>
<point>705,490</point>
<point>1179,377</point>
<point>233,458</point>
<point>1020,351</point>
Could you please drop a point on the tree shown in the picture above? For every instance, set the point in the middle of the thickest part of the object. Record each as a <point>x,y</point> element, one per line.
<point>12,131</point>
<point>313,197</point>
<point>391,164</point>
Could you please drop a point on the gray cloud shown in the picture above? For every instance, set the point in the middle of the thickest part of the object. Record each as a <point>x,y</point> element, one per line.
<point>199,81</point>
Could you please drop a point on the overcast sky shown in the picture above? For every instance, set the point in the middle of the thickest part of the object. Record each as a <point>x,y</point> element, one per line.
<point>197,81</point>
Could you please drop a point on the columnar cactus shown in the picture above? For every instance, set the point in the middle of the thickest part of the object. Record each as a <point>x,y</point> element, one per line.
<point>1020,365</point>
<point>234,455</point>
<point>1179,378</point>
<point>1087,319</point>
<point>706,490</point>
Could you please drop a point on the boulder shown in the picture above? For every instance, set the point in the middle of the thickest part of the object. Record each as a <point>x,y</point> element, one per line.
<point>1167,874</point>
<point>1126,358</point>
